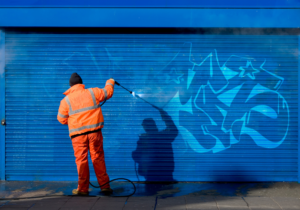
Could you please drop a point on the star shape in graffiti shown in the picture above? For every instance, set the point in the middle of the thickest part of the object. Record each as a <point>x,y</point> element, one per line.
<point>174,76</point>
<point>248,70</point>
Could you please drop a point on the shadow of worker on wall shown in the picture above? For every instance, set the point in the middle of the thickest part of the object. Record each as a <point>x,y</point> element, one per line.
<point>154,152</point>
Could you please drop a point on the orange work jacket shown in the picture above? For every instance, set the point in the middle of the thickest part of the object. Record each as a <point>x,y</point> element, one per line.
<point>81,110</point>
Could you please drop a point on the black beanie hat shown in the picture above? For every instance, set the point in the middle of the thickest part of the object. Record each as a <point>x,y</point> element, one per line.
<point>75,79</point>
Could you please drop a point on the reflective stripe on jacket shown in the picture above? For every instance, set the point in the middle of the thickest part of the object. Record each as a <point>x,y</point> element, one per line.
<point>81,110</point>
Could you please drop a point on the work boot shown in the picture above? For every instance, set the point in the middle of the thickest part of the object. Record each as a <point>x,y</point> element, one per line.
<point>77,192</point>
<point>107,190</point>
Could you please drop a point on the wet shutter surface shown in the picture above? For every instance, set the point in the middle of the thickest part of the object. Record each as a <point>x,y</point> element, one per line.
<point>225,106</point>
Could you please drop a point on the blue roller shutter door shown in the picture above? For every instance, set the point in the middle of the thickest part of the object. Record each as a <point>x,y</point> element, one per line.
<point>229,105</point>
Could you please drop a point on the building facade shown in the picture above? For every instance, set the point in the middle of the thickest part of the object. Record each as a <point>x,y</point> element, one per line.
<point>215,88</point>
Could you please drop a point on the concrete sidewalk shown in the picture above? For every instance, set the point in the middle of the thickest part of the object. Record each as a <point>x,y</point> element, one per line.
<point>159,196</point>
<point>154,203</point>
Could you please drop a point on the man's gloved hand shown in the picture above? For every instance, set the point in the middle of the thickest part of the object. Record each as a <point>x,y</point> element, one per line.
<point>112,79</point>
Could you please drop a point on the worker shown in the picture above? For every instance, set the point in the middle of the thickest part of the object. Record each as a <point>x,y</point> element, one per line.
<point>81,111</point>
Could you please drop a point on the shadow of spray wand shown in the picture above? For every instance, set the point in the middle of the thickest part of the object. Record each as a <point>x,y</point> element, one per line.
<point>136,95</point>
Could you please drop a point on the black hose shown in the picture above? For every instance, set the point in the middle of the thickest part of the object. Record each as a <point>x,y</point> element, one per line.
<point>134,187</point>
<point>44,196</point>
<point>103,103</point>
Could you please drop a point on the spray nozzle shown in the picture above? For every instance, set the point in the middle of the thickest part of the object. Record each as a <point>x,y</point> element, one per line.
<point>136,95</point>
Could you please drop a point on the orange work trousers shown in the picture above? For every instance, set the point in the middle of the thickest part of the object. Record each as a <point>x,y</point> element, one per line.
<point>81,145</point>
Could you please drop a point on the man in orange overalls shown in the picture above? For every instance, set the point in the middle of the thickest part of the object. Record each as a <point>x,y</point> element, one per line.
<point>81,111</point>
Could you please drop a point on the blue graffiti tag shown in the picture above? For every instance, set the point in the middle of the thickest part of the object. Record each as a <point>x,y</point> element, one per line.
<point>232,100</point>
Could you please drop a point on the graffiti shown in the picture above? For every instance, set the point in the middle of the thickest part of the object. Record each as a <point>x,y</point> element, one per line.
<point>230,101</point>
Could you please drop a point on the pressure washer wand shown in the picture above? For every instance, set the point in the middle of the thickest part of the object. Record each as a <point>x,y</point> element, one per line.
<point>136,95</point>
<point>123,87</point>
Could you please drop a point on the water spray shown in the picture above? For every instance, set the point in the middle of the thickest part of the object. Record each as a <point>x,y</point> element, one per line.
<point>136,95</point>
